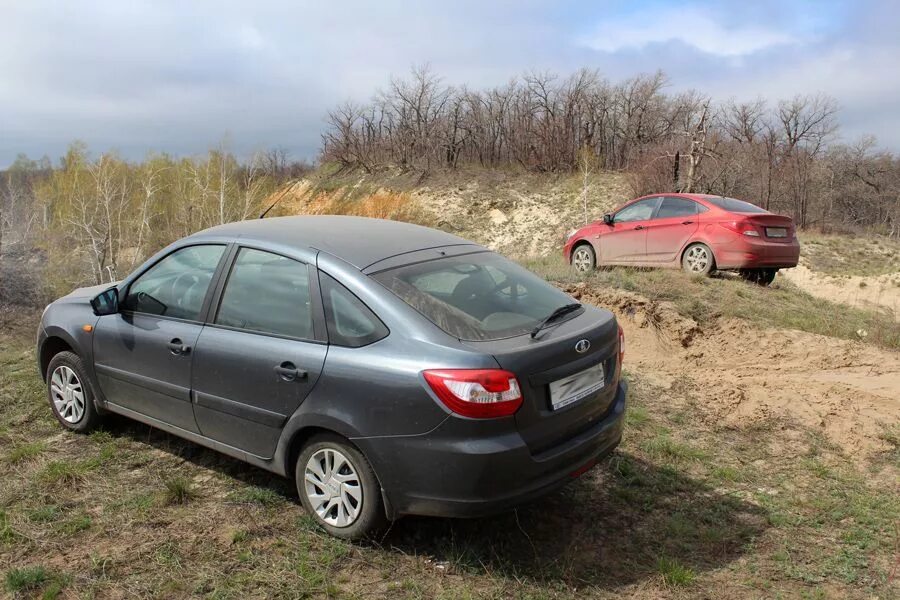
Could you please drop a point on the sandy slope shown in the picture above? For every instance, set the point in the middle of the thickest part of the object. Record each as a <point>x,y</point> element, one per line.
<point>518,214</point>
<point>740,375</point>
<point>515,221</point>
<point>864,292</point>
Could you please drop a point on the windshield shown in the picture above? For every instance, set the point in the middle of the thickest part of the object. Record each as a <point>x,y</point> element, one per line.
<point>475,297</point>
<point>733,205</point>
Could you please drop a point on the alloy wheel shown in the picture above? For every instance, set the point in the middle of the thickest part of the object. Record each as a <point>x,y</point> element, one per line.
<point>697,259</point>
<point>582,260</point>
<point>67,393</point>
<point>333,487</point>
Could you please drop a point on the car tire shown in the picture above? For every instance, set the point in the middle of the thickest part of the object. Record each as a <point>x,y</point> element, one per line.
<point>338,470</point>
<point>70,394</point>
<point>762,277</point>
<point>584,259</point>
<point>698,259</point>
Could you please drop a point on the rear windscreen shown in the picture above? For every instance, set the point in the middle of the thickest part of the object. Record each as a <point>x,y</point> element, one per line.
<point>733,205</point>
<point>475,297</point>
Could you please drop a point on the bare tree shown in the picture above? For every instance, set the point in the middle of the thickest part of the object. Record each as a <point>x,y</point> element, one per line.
<point>779,156</point>
<point>698,149</point>
<point>150,184</point>
<point>587,162</point>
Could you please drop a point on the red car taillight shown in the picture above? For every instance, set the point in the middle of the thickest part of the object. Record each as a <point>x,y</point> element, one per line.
<point>476,393</point>
<point>621,352</point>
<point>741,227</point>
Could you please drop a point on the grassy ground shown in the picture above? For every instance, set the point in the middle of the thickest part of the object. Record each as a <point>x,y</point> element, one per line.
<point>780,305</point>
<point>682,509</point>
<point>844,255</point>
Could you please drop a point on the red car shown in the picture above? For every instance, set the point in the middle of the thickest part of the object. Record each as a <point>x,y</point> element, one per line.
<point>697,232</point>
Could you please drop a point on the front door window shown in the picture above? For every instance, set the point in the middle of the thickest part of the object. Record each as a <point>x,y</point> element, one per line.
<point>641,210</point>
<point>176,285</point>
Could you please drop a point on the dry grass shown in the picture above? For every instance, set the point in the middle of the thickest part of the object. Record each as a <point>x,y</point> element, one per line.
<point>379,205</point>
<point>842,255</point>
<point>361,199</point>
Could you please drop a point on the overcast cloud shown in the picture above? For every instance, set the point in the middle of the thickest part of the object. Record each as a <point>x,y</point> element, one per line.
<point>140,76</point>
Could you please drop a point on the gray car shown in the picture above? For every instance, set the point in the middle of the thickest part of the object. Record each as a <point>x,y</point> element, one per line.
<point>391,369</point>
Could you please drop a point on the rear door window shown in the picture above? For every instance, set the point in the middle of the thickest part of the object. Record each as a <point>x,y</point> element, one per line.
<point>480,296</point>
<point>267,293</point>
<point>673,206</point>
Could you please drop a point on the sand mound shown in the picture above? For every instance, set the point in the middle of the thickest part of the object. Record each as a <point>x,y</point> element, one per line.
<point>741,375</point>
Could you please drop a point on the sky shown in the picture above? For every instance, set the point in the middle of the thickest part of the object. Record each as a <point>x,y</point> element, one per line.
<point>183,76</point>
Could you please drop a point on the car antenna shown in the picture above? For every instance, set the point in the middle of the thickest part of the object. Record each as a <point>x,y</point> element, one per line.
<point>277,200</point>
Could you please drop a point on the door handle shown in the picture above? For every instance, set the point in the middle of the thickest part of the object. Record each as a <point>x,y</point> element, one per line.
<point>639,227</point>
<point>177,347</point>
<point>289,372</point>
<point>687,222</point>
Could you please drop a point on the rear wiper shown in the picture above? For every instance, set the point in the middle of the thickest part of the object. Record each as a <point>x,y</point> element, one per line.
<point>562,310</point>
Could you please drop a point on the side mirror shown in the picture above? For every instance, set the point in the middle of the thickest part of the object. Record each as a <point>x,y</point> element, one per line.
<point>608,219</point>
<point>106,302</point>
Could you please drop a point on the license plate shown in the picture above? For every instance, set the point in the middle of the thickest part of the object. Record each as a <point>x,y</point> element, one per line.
<point>575,387</point>
<point>776,232</point>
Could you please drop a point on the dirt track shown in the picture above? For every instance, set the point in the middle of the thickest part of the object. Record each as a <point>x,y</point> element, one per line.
<point>739,375</point>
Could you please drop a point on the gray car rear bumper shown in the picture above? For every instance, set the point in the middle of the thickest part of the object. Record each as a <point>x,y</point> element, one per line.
<point>449,472</point>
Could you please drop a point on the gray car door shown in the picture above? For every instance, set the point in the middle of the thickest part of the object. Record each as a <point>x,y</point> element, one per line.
<point>261,352</point>
<point>142,355</point>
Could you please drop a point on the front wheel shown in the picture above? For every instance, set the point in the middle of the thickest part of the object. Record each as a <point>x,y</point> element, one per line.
<point>698,259</point>
<point>70,394</point>
<point>759,276</point>
<point>584,259</point>
<point>338,487</point>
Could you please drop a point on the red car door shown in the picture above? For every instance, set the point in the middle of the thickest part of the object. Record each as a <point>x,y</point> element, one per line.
<point>674,223</point>
<point>626,239</point>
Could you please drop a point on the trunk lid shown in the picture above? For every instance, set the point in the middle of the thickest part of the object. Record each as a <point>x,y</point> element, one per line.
<point>774,228</point>
<point>552,357</point>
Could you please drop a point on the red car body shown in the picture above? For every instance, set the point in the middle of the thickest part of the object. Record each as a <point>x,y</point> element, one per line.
<point>658,230</point>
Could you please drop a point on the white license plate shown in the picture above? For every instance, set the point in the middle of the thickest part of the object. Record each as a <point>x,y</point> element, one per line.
<point>575,387</point>
<point>776,232</point>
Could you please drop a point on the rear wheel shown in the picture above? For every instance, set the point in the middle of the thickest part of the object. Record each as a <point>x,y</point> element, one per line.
<point>759,276</point>
<point>70,394</point>
<point>338,488</point>
<point>698,260</point>
<point>584,259</point>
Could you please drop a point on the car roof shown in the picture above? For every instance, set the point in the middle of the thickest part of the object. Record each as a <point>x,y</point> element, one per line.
<point>690,195</point>
<point>702,198</point>
<point>360,241</point>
